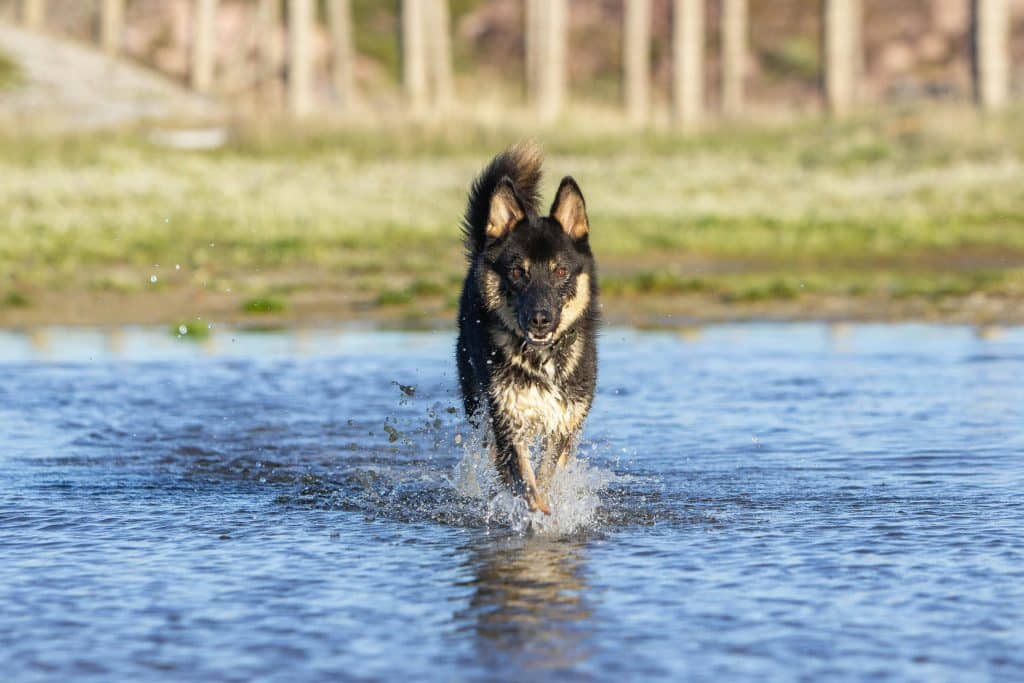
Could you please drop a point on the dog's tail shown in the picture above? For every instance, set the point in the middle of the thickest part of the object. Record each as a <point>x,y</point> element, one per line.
<point>521,164</point>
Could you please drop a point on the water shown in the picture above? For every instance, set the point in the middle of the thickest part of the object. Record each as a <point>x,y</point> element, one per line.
<point>771,502</point>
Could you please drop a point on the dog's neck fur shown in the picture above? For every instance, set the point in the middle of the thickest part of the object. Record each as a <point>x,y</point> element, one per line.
<point>535,363</point>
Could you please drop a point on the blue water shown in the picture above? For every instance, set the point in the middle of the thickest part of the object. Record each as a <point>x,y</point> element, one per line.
<point>765,502</point>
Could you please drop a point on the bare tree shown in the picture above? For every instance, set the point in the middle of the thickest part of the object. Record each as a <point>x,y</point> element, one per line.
<point>111,26</point>
<point>339,23</point>
<point>204,25</point>
<point>552,45</point>
<point>841,48</point>
<point>533,25</point>
<point>688,61</point>
<point>439,51</point>
<point>33,14</point>
<point>636,59</point>
<point>271,54</point>
<point>414,55</point>
<point>301,20</point>
<point>734,55</point>
<point>990,20</point>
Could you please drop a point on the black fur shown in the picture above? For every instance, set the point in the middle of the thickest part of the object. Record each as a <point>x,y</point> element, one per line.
<point>526,326</point>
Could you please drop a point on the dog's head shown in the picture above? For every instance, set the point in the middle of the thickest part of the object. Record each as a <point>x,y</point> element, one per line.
<point>537,272</point>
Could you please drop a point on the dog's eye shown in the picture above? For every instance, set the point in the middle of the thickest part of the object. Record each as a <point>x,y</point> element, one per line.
<point>561,272</point>
<point>517,273</point>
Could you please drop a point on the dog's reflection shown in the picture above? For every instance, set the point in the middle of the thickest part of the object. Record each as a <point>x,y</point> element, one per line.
<point>529,601</point>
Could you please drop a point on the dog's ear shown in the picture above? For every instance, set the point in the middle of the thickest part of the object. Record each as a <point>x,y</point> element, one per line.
<point>570,210</point>
<point>506,210</point>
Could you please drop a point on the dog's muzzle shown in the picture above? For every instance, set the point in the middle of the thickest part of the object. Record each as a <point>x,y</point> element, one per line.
<point>540,328</point>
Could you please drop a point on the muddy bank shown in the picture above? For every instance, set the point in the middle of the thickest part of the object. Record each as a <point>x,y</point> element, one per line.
<point>177,306</point>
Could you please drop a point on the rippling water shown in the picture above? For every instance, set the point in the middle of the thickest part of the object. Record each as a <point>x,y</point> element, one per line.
<point>770,502</point>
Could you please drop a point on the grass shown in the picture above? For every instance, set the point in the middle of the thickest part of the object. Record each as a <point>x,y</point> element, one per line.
<point>193,330</point>
<point>264,305</point>
<point>908,204</point>
<point>10,73</point>
<point>15,299</point>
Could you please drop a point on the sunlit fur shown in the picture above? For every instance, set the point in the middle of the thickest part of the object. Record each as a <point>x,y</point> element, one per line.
<point>519,263</point>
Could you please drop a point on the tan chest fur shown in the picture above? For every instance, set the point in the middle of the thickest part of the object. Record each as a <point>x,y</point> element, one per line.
<point>537,409</point>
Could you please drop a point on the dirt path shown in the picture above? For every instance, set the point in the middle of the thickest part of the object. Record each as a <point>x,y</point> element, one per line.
<point>65,84</point>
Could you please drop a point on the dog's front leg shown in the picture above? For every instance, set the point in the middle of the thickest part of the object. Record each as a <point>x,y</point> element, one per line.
<point>557,450</point>
<point>512,458</point>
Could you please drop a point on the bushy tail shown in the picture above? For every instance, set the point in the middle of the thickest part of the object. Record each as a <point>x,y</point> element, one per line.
<point>521,164</point>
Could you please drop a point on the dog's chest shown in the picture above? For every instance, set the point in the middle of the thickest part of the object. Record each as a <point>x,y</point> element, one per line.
<point>534,401</point>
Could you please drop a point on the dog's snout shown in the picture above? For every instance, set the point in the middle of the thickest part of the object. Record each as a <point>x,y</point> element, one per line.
<point>541,320</point>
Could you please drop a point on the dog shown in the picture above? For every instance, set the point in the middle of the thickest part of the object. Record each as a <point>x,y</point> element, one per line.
<point>528,319</point>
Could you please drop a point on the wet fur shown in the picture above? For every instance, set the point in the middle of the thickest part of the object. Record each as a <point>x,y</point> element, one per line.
<point>528,391</point>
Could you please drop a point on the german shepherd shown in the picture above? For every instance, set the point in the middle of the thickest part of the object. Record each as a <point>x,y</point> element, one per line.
<point>528,319</point>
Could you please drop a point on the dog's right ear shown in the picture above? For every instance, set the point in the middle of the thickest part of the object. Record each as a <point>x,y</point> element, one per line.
<point>506,210</point>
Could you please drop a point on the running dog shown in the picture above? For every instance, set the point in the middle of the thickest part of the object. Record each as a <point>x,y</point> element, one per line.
<point>528,319</point>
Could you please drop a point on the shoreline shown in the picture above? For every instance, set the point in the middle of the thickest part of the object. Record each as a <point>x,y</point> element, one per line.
<point>322,308</point>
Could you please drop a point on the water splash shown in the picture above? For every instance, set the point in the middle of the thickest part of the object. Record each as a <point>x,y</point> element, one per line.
<point>573,494</point>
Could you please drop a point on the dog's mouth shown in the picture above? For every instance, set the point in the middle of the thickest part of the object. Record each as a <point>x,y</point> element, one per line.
<point>540,339</point>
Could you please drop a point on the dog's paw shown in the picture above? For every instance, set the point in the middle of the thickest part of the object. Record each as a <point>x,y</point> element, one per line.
<point>538,502</point>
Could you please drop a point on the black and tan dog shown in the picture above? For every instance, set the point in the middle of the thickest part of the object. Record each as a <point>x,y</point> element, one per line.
<point>528,318</point>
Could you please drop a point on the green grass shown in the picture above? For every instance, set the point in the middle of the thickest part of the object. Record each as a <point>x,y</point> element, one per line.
<point>926,199</point>
<point>15,299</point>
<point>264,305</point>
<point>10,72</point>
<point>192,330</point>
<point>783,285</point>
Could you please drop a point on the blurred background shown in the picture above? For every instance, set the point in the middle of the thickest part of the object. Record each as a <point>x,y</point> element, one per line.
<point>265,162</point>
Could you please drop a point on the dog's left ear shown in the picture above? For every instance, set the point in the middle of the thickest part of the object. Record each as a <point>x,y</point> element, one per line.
<point>570,210</point>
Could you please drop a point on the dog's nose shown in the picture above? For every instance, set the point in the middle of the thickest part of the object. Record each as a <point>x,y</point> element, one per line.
<point>541,320</point>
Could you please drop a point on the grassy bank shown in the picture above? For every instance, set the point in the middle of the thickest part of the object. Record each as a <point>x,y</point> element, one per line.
<point>916,206</point>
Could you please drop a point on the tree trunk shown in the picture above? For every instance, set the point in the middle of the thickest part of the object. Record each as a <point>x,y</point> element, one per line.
<point>204,27</point>
<point>414,55</point>
<point>339,22</point>
<point>636,59</point>
<point>301,19</point>
<point>688,61</point>
<point>990,23</point>
<point>842,53</point>
<point>551,62</point>
<point>33,14</point>
<point>439,45</point>
<point>111,26</point>
<point>734,55</point>
<point>534,32</point>
<point>271,54</point>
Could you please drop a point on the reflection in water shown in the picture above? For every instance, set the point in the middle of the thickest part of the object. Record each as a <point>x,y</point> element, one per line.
<point>839,337</point>
<point>114,341</point>
<point>988,332</point>
<point>528,601</point>
<point>40,340</point>
<point>690,333</point>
